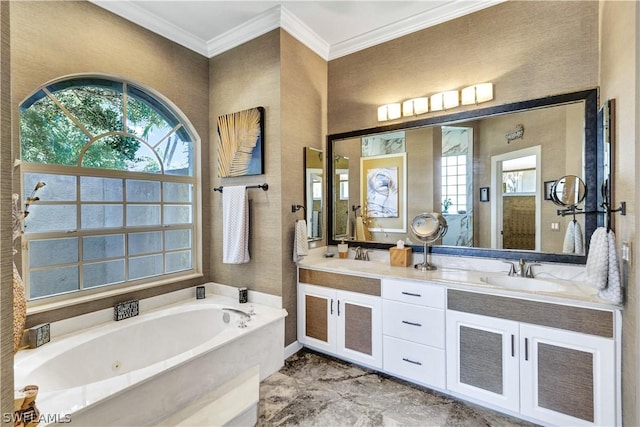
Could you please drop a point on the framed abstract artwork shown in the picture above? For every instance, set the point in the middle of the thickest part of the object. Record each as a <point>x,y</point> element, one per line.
<point>240,143</point>
<point>383,191</point>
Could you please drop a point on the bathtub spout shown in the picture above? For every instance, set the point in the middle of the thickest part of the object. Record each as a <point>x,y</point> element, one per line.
<point>244,314</point>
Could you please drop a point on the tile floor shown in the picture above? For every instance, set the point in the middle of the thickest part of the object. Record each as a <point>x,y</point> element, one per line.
<point>316,390</point>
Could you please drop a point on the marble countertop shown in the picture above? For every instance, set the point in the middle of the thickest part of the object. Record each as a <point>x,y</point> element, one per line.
<point>473,275</point>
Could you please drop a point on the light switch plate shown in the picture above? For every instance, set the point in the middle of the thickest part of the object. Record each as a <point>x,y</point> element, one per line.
<point>626,251</point>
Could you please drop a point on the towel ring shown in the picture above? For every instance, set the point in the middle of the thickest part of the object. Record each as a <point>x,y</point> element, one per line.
<point>296,208</point>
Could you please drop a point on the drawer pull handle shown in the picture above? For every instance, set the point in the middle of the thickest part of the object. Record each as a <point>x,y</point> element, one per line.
<point>411,361</point>
<point>411,294</point>
<point>406,322</point>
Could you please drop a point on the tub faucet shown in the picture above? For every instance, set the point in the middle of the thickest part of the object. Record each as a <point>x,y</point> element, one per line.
<point>245,317</point>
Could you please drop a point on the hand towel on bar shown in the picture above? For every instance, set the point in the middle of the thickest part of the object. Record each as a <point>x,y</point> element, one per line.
<point>235,225</point>
<point>573,242</point>
<point>300,245</point>
<point>613,291</point>
<point>597,268</point>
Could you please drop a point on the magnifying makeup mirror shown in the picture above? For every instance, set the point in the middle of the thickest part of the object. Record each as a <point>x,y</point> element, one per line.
<point>568,191</point>
<point>428,227</point>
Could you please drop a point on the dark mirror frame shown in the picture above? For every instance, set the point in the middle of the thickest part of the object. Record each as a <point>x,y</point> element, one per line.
<point>593,177</point>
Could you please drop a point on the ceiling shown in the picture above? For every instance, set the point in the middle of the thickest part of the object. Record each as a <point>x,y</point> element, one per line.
<point>330,28</point>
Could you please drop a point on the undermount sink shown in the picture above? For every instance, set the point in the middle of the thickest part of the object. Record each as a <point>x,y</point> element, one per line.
<point>523,283</point>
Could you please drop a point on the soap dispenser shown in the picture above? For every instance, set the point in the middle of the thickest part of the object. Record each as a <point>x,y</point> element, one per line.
<point>343,249</point>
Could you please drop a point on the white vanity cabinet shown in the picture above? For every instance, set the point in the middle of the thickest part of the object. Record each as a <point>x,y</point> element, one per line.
<point>414,331</point>
<point>549,362</point>
<point>344,323</point>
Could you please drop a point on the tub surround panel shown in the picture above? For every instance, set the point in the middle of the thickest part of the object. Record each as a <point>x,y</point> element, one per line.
<point>98,317</point>
<point>146,394</point>
<point>509,44</point>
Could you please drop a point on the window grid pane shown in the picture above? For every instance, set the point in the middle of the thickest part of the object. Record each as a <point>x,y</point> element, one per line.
<point>127,226</point>
<point>454,176</point>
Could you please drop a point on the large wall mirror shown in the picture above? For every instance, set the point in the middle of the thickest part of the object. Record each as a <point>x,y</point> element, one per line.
<point>488,171</point>
<point>313,192</point>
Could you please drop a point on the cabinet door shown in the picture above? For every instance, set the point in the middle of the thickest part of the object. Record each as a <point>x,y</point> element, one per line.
<point>359,326</point>
<point>482,358</point>
<point>316,320</point>
<point>567,378</point>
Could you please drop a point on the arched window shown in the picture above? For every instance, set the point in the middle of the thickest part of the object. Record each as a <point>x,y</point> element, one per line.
<point>119,201</point>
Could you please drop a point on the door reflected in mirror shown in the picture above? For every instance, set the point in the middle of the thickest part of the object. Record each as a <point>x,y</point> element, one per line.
<point>313,192</point>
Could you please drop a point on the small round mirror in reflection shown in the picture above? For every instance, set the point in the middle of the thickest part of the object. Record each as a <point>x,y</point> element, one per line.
<point>568,191</point>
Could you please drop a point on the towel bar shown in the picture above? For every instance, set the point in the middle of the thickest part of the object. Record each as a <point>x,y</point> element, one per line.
<point>264,187</point>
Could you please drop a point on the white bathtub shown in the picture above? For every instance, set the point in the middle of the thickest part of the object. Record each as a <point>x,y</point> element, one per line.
<point>139,371</point>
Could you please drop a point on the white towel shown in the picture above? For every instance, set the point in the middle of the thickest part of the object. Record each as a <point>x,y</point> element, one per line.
<point>597,268</point>
<point>300,245</point>
<point>603,271</point>
<point>613,291</point>
<point>573,242</point>
<point>235,225</point>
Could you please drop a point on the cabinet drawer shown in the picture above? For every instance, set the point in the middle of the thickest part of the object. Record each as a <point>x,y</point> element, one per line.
<point>415,362</point>
<point>413,292</point>
<point>424,325</point>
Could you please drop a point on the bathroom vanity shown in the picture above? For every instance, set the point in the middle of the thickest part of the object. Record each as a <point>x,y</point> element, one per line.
<point>550,356</point>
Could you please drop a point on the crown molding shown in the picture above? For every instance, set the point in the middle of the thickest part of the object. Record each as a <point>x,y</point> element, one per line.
<point>131,12</point>
<point>280,16</point>
<point>255,27</point>
<point>430,18</point>
<point>299,30</point>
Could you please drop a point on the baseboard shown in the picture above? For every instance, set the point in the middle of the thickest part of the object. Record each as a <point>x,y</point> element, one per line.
<point>292,349</point>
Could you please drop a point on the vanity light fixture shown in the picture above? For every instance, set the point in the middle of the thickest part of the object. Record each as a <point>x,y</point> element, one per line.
<point>477,93</point>
<point>415,106</point>
<point>389,112</point>
<point>445,100</point>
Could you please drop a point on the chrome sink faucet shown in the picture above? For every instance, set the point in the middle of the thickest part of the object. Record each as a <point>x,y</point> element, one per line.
<point>512,268</point>
<point>524,270</point>
<point>361,254</point>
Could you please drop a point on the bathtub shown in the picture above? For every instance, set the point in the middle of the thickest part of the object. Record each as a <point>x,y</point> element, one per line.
<point>142,370</point>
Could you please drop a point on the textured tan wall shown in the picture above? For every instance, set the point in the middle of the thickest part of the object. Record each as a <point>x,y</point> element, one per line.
<point>54,39</point>
<point>618,77</point>
<point>290,81</point>
<point>303,97</point>
<point>527,49</point>
<point>247,77</point>
<point>6,291</point>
